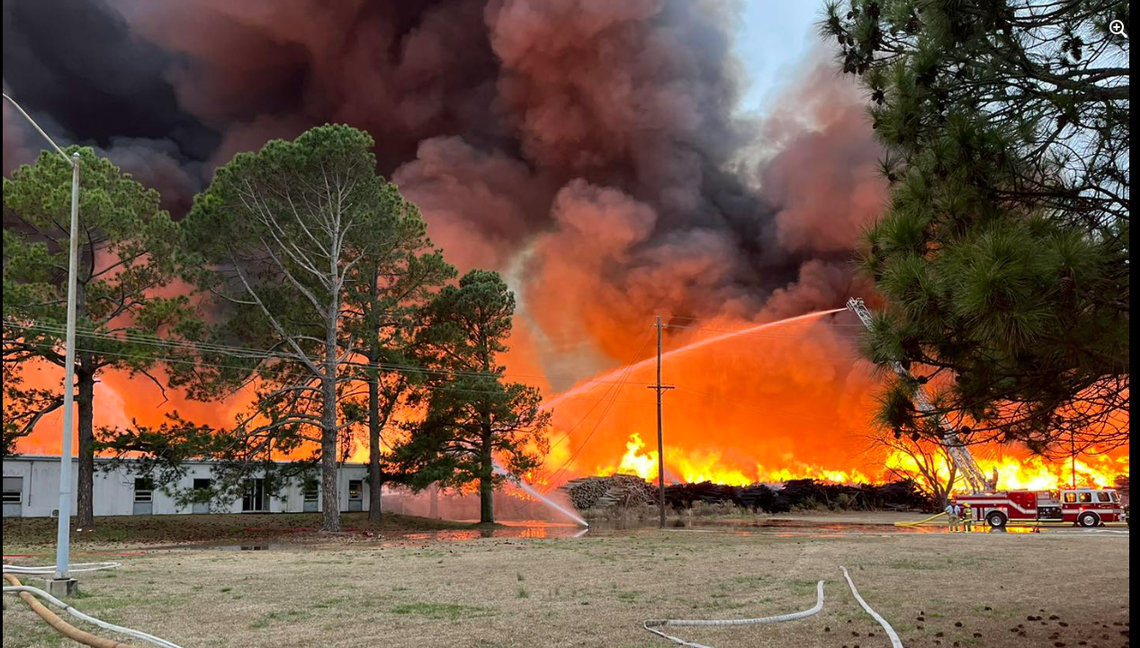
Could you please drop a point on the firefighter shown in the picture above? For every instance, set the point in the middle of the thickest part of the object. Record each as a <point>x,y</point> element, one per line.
<point>967,517</point>
<point>952,517</point>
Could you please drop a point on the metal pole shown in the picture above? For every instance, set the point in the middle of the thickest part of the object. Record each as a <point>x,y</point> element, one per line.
<point>63,533</point>
<point>660,433</point>
<point>1073,449</point>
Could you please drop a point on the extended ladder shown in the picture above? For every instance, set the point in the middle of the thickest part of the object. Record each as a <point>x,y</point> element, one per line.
<point>958,451</point>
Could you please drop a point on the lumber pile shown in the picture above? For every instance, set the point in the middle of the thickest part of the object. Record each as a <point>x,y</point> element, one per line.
<point>632,491</point>
<point>611,490</point>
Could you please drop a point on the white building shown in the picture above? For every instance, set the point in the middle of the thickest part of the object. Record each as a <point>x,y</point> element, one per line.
<point>31,489</point>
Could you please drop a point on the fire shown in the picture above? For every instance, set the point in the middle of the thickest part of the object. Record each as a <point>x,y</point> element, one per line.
<point>701,466</point>
<point>791,401</point>
<point>634,462</point>
<point>1030,472</point>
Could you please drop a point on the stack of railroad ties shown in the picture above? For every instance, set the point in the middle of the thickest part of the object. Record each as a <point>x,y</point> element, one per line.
<point>627,491</point>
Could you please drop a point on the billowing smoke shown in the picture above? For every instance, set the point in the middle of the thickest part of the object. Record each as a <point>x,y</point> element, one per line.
<point>591,148</point>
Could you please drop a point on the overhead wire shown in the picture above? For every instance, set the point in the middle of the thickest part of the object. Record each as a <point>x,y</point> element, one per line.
<point>243,352</point>
<point>628,368</point>
<point>601,417</point>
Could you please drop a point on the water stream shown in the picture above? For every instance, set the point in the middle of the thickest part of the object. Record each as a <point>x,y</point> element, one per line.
<point>542,498</point>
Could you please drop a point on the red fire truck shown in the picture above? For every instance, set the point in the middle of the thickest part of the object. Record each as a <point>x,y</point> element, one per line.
<point>1088,507</point>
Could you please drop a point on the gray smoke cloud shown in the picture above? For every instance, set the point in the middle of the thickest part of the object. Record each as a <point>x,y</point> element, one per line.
<point>598,140</point>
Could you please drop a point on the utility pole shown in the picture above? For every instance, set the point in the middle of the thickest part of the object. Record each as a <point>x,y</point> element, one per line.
<point>660,389</point>
<point>61,583</point>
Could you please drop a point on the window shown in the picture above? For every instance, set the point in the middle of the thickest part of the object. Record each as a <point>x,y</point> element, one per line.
<point>13,490</point>
<point>144,489</point>
<point>201,502</point>
<point>1103,497</point>
<point>1086,497</point>
<point>355,495</point>
<point>254,497</point>
<point>1070,498</point>
<point>13,496</point>
<point>311,496</point>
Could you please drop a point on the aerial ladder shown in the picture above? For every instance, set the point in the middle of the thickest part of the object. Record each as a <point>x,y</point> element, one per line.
<point>959,453</point>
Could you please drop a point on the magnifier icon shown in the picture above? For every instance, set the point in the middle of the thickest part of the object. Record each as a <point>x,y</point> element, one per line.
<point>1117,27</point>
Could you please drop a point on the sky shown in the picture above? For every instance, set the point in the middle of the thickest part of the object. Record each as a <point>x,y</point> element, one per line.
<point>773,42</point>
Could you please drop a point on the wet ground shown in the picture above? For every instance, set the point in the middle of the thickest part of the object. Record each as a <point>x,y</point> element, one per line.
<point>783,528</point>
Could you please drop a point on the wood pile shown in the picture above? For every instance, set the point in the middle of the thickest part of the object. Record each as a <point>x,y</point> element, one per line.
<point>685,495</point>
<point>611,490</point>
<point>632,491</point>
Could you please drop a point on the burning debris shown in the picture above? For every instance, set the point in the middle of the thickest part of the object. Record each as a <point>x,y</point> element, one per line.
<point>621,492</point>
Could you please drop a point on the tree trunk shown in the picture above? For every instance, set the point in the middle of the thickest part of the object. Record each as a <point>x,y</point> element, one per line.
<point>375,506</point>
<point>486,483</point>
<point>330,509</point>
<point>330,495</point>
<point>433,510</point>
<point>85,401</point>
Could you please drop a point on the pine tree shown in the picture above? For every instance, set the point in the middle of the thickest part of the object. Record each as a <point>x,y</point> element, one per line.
<point>473,418</point>
<point>127,253</point>
<point>1003,255</point>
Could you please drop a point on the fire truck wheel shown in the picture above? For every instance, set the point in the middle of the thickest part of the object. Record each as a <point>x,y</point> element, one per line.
<point>1088,519</point>
<point>996,519</point>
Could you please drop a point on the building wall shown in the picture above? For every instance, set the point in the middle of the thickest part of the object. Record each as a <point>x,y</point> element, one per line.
<point>114,491</point>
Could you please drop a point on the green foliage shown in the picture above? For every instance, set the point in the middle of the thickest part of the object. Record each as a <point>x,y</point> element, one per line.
<point>126,256</point>
<point>126,253</point>
<point>1003,255</point>
<point>472,416</point>
<point>315,266</point>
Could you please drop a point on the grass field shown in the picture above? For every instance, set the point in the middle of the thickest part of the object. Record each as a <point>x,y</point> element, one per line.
<point>936,589</point>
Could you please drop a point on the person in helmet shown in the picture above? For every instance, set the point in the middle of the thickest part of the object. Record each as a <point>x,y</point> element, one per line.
<point>967,517</point>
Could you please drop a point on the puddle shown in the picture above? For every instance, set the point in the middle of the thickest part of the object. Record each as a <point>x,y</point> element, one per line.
<point>775,527</point>
<point>233,547</point>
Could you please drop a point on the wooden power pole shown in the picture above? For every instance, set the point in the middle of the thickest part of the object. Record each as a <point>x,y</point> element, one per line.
<point>660,389</point>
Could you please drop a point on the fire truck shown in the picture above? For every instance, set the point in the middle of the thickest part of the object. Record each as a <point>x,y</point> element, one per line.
<point>1088,507</point>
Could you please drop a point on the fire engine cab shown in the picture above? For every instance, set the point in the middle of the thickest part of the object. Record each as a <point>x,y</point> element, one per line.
<point>1088,507</point>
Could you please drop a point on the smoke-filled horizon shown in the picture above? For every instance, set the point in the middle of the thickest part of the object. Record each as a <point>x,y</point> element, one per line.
<point>591,151</point>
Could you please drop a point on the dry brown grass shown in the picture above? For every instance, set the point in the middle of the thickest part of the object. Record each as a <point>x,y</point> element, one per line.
<point>595,591</point>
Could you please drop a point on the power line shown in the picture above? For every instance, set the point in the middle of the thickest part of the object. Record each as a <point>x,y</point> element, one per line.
<point>628,368</point>
<point>242,352</point>
<point>602,417</point>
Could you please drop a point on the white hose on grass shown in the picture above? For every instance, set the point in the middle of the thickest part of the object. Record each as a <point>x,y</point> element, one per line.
<point>12,589</point>
<point>652,624</point>
<point>895,641</point>
<point>78,567</point>
<point>40,570</point>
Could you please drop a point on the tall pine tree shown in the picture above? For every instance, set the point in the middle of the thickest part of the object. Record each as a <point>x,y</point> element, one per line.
<point>1003,255</point>
<point>473,418</point>
<point>127,252</point>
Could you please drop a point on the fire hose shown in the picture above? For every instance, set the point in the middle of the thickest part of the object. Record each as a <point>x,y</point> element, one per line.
<point>920,522</point>
<point>652,624</point>
<point>29,594</point>
<point>895,641</point>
